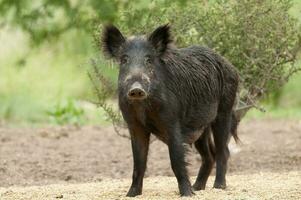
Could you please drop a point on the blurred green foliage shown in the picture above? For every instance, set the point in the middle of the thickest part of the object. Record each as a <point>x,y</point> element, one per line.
<point>49,19</point>
<point>46,45</point>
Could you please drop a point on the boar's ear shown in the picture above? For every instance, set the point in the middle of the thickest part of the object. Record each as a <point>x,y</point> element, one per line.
<point>112,39</point>
<point>160,38</point>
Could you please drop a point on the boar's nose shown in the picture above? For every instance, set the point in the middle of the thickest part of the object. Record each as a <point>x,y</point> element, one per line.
<point>137,92</point>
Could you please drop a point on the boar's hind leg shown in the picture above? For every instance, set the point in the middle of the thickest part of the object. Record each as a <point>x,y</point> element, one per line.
<point>178,164</point>
<point>140,144</point>
<point>221,135</point>
<point>206,149</point>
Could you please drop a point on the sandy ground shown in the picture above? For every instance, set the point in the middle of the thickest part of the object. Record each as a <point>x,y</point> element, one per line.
<point>276,186</point>
<point>95,163</point>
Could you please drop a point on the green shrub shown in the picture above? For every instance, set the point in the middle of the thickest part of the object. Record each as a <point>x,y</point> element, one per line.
<point>259,38</point>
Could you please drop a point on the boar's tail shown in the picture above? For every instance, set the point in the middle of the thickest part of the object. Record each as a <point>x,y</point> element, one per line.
<point>234,125</point>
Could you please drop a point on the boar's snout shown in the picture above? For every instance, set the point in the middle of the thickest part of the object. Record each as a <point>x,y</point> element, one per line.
<point>136,92</point>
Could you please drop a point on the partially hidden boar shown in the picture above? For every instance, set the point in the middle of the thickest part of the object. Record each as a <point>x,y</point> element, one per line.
<point>181,95</point>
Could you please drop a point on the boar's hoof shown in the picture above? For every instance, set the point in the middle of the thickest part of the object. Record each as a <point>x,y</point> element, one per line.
<point>218,185</point>
<point>187,192</point>
<point>134,192</point>
<point>198,186</point>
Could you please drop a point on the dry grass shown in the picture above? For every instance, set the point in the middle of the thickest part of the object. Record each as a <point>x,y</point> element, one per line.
<point>253,186</point>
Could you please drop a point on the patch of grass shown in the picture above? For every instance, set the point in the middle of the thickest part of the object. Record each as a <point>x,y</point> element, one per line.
<point>67,112</point>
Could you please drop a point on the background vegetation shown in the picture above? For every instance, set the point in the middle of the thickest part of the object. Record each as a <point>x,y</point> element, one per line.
<point>47,47</point>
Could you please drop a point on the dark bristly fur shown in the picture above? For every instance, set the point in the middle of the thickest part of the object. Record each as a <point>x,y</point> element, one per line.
<point>181,96</point>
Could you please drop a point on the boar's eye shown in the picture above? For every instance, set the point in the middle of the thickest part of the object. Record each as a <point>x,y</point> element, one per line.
<point>124,59</point>
<point>148,60</point>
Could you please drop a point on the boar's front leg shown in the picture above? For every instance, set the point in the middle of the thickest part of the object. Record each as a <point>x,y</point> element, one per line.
<point>140,144</point>
<point>178,164</point>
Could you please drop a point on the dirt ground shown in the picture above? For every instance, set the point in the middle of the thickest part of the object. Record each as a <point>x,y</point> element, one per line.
<point>95,163</point>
